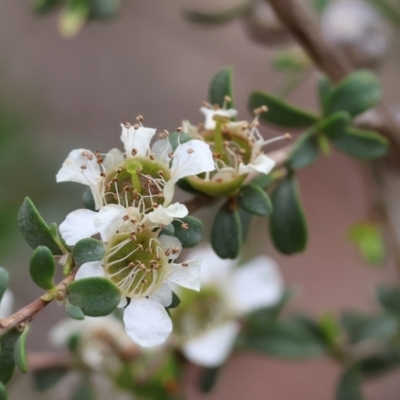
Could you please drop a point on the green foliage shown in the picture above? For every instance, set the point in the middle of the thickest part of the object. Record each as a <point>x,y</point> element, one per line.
<point>74,312</point>
<point>389,299</point>
<point>84,390</point>
<point>3,392</point>
<point>208,379</point>
<point>34,229</point>
<point>4,279</point>
<point>335,126</point>
<point>324,91</point>
<point>305,151</point>
<point>221,85</point>
<point>226,233</point>
<point>369,240</point>
<point>320,5</point>
<point>168,230</point>
<point>20,355</point>
<point>254,200</point>
<point>46,378</point>
<point>245,222</point>
<point>88,199</point>
<point>87,250</point>
<point>42,267</point>
<point>281,113</point>
<point>104,9</point>
<point>176,138</point>
<point>191,236</point>
<point>388,11</point>
<point>377,364</point>
<point>96,297</point>
<point>7,362</point>
<point>349,387</point>
<point>287,223</point>
<point>355,94</point>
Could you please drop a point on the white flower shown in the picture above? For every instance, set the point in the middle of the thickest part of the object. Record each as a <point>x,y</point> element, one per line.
<point>210,113</point>
<point>139,262</point>
<point>254,285</point>
<point>6,304</point>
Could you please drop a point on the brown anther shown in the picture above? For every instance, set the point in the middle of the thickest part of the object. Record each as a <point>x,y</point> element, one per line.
<point>190,151</point>
<point>83,166</point>
<point>216,107</point>
<point>155,205</point>
<point>131,265</point>
<point>158,257</point>
<point>103,174</point>
<point>170,154</point>
<point>145,281</point>
<point>89,157</point>
<point>160,173</point>
<point>85,153</point>
<point>179,129</point>
<point>100,160</point>
<point>115,196</point>
<point>168,252</point>
<point>264,108</point>
<point>136,127</point>
<point>134,152</point>
<point>125,217</point>
<point>185,226</point>
<point>118,171</point>
<point>160,194</point>
<point>114,180</point>
<point>175,250</point>
<point>184,264</point>
<point>140,118</point>
<point>217,155</point>
<point>219,180</point>
<point>127,125</point>
<point>149,250</point>
<point>157,266</point>
<point>288,136</point>
<point>140,246</point>
<point>227,99</point>
<point>127,188</point>
<point>152,157</point>
<point>133,237</point>
<point>242,151</point>
<point>206,104</point>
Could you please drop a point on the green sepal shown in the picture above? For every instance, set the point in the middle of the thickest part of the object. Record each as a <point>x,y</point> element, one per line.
<point>74,312</point>
<point>208,378</point>
<point>335,126</point>
<point>177,138</point>
<point>168,230</point>
<point>305,151</point>
<point>96,297</point>
<point>288,226</point>
<point>7,363</point>
<point>221,85</point>
<point>46,378</point>
<point>188,237</point>
<point>254,200</point>
<point>42,267</point>
<point>281,113</point>
<point>20,355</point>
<point>362,144</point>
<point>226,233</point>
<point>175,301</point>
<point>33,228</point>
<point>349,386</point>
<point>3,392</point>
<point>355,94</point>
<point>4,279</point>
<point>88,199</point>
<point>87,250</point>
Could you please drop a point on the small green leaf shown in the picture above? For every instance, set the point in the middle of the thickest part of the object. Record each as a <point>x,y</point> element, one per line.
<point>355,94</point>
<point>221,86</point>
<point>287,223</point>
<point>369,240</point>
<point>305,151</point>
<point>324,91</point>
<point>254,200</point>
<point>84,391</point>
<point>245,221</point>
<point>335,125</point>
<point>3,392</point>
<point>362,144</point>
<point>377,364</point>
<point>34,229</point>
<point>349,387</point>
<point>96,297</point>
<point>4,279</point>
<point>20,356</point>
<point>87,250</point>
<point>175,301</point>
<point>191,236</point>
<point>208,379</point>
<point>281,113</point>
<point>176,138</point>
<point>46,378</point>
<point>7,363</point>
<point>74,312</point>
<point>389,299</point>
<point>226,233</point>
<point>88,199</point>
<point>42,268</point>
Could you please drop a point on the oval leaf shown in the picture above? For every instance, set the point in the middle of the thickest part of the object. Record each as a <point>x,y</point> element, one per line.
<point>20,356</point>
<point>281,113</point>
<point>42,267</point>
<point>7,363</point>
<point>45,378</point>
<point>362,144</point>
<point>191,236</point>
<point>87,250</point>
<point>335,125</point>
<point>305,150</point>
<point>389,299</point>
<point>287,224</point>
<point>324,91</point>
<point>74,312</point>
<point>254,200</point>
<point>4,279</point>
<point>96,297</point>
<point>88,199</point>
<point>221,86</point>
<point>349,387</point>
<point>209,378</point>
<point>3,392</point>
<point>226,233</point>
<point>355,94</point>
<point>34,229</point>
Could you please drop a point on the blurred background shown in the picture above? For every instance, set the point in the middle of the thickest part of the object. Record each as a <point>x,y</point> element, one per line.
<point>58,94</point>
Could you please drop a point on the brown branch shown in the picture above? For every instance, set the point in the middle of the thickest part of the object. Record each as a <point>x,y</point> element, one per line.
<point>28,313</point>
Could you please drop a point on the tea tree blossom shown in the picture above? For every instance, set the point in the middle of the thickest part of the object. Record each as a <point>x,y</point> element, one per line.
<point>207,323</point>
<point>139,261</point>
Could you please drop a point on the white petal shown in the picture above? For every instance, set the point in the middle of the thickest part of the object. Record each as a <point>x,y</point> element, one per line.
<point>137,139</point>
<point>109,219</point>
<point>209,114</point>
<point>113,159</point>
<point>225,175</point>
<point>257,284</point>
<point>123,302</point>
<point>186,274</point>
<point>90,269</point>
<point>212,348</point>
<point>261,163</point>
<point>146,322</point>
<point>161,149</point>
<point>165,216</point>
<point>6,304</point>
<point>191,158</point>
<point>171,243</point>
<point>71,170</point>
<point>162,295</point>
<point>78,225</point>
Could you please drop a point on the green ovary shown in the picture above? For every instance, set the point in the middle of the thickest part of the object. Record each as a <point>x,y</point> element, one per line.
<point>136,264</point>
